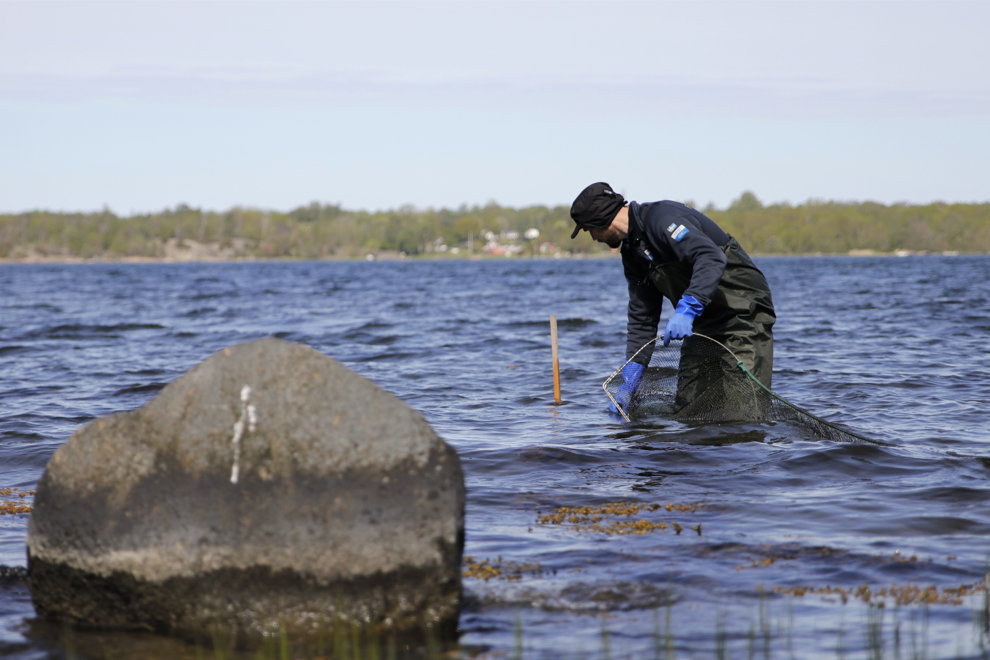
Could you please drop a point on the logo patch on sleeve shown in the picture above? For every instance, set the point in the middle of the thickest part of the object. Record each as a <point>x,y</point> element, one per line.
<point>677,232</point>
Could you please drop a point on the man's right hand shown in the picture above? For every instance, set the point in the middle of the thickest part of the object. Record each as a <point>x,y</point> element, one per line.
<point>632,373</point>
<point>679,325</point>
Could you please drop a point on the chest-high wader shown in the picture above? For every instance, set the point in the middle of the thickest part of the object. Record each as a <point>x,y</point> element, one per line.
<point>740,315</point>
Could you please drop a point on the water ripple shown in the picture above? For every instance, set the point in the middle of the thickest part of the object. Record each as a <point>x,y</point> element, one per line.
<point>467,344</point>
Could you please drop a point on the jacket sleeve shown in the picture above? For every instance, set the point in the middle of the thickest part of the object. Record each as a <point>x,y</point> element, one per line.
<point>643,319</point>
<point>693,247</point>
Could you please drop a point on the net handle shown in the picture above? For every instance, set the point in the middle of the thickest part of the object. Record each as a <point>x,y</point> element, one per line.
<point>753,380</point>
<point>616,373</point>
<point>622,366</point>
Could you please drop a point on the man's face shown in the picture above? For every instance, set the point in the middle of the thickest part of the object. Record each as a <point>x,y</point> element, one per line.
<point>610,236</point>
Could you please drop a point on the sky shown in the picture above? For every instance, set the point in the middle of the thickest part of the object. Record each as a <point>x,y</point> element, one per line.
<point>141,106</point>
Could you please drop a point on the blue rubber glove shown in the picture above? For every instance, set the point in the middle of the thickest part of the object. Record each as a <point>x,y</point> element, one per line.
<point>632,373</point>
<point>679,326</point>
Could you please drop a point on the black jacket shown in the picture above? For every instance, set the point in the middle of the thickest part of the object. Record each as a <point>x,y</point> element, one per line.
<point>662,232</point>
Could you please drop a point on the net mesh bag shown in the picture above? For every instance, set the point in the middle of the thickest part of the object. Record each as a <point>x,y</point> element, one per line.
<point>703,381</point>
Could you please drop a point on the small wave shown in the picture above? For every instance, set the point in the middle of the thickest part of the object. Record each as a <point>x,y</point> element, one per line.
<point>36,307</point>
<point>912,525</point>
<point>366,332</point>
<point>139,388</point>
<point>578,597</point>
<point>207,296</point>
<point>147,373</point>
<point>576,323</point>
<point>83,330</point>
<point>290,336</point>
<point>546,455</point>
<point>12,438</point>
<point>864,460</point>
<point>598,342</point>
<point>543,324</point>
<point>387,356</point>
<point>952,494</point>
<point>30,457</point>
<point>199,312</point>
<point>30,391</point>
<point>374,325</point>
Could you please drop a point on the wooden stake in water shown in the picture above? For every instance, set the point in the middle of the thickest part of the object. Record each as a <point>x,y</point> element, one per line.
<point>556,362</point>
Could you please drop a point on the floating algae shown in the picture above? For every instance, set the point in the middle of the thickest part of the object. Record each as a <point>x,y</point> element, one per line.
<point>610,518</point>
<point>896,594</point>
<point>617,518</point>
<point>488,569</point>
<point>908,594</point>
<point>13,507</point>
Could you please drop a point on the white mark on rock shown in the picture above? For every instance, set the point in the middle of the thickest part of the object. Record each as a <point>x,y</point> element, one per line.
<point>249,416</point>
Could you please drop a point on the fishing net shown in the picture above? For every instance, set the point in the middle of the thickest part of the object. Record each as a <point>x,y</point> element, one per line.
<point>703,381</point>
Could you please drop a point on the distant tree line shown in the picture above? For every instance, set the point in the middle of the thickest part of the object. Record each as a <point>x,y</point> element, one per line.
<point>324,231</point>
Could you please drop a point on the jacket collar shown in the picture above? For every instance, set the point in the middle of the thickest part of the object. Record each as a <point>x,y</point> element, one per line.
<point>635,231</point>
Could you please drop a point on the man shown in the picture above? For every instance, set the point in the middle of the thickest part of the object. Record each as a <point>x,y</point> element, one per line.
<point>673,251</point>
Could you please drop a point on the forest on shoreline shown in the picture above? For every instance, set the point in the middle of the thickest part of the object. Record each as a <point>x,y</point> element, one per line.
<point>327,231</point>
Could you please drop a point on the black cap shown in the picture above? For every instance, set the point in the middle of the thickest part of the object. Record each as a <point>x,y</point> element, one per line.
<point>595,207</point>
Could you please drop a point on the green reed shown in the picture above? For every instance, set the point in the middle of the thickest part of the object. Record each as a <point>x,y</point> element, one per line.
<point>897,632</point>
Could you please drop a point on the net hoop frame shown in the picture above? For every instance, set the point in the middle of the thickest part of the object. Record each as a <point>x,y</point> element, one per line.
<point>751,378</point>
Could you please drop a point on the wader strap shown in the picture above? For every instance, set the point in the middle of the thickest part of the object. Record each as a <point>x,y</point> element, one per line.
<point>671,279</point>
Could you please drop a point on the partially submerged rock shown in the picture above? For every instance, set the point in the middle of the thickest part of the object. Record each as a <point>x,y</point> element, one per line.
<point>269,487</point>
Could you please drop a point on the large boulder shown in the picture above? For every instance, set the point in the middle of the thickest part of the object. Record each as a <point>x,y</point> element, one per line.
<point>268,488</point>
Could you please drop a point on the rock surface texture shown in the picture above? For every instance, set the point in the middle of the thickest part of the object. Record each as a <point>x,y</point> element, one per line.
<point>269,487</point>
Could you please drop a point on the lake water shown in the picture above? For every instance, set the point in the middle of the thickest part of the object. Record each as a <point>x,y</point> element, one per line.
<point>793,529</point>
